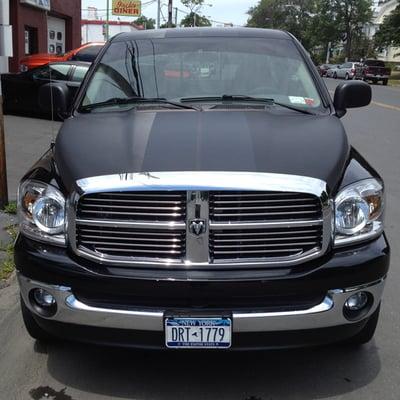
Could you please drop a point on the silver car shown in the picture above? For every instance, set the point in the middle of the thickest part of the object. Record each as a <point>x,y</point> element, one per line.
<point>332,71</point>
<point>345,71</point>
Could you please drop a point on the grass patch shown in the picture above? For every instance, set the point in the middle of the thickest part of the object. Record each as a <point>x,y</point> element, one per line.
<point>7,266</point>
<point>11,208</point>
<point>395,78</point>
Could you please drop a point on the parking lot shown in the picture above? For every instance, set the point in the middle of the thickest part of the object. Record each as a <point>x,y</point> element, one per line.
<point>64,371</point>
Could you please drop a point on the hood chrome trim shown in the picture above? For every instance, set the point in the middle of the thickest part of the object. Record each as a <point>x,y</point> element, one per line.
<point>203,181</point>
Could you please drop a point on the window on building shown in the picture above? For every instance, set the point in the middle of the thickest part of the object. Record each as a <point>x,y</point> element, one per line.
<point>59,35</point>
<point>52,35</point>
<point>31,40</point>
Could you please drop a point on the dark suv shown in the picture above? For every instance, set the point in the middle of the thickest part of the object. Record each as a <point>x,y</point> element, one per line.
<point>202,193</point>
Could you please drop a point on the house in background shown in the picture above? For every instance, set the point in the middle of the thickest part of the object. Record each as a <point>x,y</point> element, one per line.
<point>381,10</point>
<point>94,28</point>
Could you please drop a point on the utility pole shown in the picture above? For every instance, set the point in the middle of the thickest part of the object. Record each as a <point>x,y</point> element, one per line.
<point>176,16</point>
<point>5,52</point>
<point>170,9</point>
<point>108,21</point>
<point>328,53</point>
<point>158,14</point>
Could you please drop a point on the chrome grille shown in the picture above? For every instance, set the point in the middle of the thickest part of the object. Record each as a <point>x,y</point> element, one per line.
<point>147,219</point>
<point>263,206</point>
<point>264,243</point>
<point>138,206</point>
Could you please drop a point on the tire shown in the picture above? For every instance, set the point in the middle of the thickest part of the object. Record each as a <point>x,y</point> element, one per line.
<point>34,330</point>
<point>347,77</point>
<point>385,82</point>
<point>374,81</point>
<point>367,333</point>
<point>335,75</point>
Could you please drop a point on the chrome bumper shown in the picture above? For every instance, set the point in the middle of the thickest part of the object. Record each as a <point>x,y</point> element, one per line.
<point>329,313</point>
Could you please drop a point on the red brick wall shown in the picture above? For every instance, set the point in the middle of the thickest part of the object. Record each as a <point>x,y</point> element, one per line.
<point>22,15</point>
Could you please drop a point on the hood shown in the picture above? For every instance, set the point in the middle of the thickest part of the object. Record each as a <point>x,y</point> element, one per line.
<point>248,141</point>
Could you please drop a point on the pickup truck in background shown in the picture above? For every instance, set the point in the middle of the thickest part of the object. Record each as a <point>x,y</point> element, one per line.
<point>373,70</point>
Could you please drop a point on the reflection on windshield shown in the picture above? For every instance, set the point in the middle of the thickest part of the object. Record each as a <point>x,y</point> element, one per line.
<point>203,67</point>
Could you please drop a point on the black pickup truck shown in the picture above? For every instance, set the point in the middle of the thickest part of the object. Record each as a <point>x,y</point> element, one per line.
<point>202,193</point>
<point>374,71</point>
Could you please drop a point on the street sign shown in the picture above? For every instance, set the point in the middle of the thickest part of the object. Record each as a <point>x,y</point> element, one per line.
<point>129,8</point>
<point>44,4</point>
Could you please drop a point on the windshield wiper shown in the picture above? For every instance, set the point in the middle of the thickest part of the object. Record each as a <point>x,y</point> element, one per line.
<point>243,98</point>
<point>134,100</point>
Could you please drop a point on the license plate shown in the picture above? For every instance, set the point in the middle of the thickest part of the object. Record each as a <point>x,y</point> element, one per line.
<point>204,333</point>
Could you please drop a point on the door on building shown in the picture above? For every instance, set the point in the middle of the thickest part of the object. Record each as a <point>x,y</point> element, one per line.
<point>31,40</point>
<point>56,35</point>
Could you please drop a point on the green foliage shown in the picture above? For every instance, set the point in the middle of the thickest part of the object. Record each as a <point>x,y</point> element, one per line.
<point>316,23</point>
<point>194,19</point>
<point>8,266</point>
<point>389,31</point>
<point>193,5</point>
<point>147,23</point>
<point>11,208</point>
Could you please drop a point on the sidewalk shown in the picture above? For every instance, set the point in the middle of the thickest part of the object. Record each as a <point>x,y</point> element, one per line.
<point>26,140</point>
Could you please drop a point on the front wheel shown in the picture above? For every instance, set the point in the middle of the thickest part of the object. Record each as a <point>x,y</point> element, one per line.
<point>34,330</point>
<point>385,82</point>
<point>367,333</point>
<point>335,75</point>
<point>347,77</point>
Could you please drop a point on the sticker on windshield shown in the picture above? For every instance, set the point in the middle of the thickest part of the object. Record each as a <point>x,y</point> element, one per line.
<point>309,101</point>
<point>297,100</point>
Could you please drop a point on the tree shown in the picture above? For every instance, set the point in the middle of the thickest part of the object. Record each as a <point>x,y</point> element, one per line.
<point>351,16</point>
<point>389,32</point>
<point>194,19</point>
<point>293,16</point>
<point>316,23</point>
<point>193,5</point>
<point>147,23</point>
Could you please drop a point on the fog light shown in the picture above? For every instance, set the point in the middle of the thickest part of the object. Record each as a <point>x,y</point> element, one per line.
<point>357,301</point>
<point>43,298</point>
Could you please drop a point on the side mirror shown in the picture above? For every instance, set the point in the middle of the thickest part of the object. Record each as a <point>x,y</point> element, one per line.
<point>54,98</point>
<point>351,94</point>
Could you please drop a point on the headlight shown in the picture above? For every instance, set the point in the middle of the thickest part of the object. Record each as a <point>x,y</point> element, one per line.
<point>41,211</point>
<point>359,210</point>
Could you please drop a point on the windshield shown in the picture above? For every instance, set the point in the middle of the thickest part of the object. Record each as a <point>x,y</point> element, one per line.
<point>181,68</point>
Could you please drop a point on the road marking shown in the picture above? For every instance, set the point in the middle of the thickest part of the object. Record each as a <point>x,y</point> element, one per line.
<point>384,105</point>
<point>376,103</point>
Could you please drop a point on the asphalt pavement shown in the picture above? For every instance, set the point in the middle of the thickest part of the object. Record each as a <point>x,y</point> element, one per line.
<point>64,371</point>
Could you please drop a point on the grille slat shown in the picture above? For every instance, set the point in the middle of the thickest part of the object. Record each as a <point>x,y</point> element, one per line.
<point>262,206</point>
<point>134,206</point>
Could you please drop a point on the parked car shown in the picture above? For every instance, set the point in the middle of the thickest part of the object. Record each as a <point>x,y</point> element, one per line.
<point>223,210</point>
<point>330,73</point>
<point>346,71</point>
<point>323,69</point>
<point>87,53</point>
<point>21,91</point>
<point>374,71</point>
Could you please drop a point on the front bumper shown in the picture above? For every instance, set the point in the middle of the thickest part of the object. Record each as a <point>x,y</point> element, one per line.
<point>328,313</point>
<point>116,306</point>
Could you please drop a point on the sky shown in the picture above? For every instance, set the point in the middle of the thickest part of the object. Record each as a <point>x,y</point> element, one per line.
<point>226,11</point>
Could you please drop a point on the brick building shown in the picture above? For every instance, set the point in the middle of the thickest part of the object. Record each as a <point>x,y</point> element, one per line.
<point>44,26</point>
